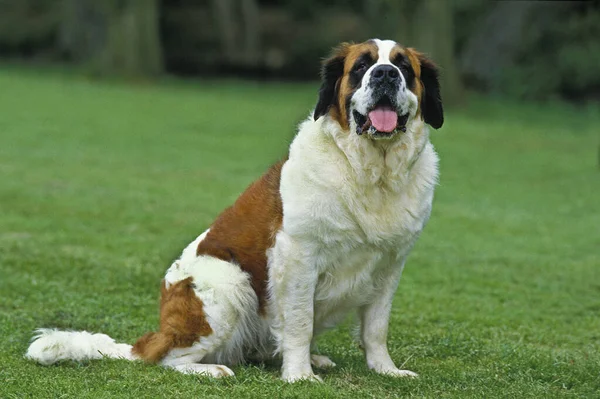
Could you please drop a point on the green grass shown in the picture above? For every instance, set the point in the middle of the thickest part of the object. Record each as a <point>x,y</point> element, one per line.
<point>102,184</point>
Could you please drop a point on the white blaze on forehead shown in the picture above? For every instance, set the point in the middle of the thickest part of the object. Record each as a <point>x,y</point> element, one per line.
<point>384,49</point>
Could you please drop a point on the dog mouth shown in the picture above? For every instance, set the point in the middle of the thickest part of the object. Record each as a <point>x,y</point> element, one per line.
<point>382,120</point>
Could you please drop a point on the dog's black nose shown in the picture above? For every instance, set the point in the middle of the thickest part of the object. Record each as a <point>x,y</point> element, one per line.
<point>385,73</point>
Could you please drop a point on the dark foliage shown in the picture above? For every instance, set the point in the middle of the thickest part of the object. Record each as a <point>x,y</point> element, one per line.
<point>524,49</point>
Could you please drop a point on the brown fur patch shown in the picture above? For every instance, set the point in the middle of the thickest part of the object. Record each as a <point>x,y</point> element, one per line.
<point>351,53</point>
<point>182,322</point>
<point>413,56</point>
<point>356,50</point>
<point>243,232</point>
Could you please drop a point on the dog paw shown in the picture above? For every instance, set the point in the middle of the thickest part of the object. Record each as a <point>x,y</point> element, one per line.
<point>291,378</point>
<point>321,361</point>
<point>398,373</point>
<point>207,370</point>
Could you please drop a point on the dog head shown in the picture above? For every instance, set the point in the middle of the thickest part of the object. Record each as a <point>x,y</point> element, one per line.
<point>378,87</point>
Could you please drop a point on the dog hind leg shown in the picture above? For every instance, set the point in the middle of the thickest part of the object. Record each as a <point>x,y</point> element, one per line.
<point>208,313</point>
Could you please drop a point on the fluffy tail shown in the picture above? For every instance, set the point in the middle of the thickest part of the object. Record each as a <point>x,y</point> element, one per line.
<point>50,346</point>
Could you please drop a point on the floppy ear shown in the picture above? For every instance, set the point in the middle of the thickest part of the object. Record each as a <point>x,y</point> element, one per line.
<point>431,102</point>
<point>331,72</point>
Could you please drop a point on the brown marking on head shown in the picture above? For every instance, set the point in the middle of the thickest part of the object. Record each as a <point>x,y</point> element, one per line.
<point>347,85</point>
<point>182,322</point>
<point>412,56</point>
<point>244,232</point>
<point>337,86</point>
<point>427,88</point>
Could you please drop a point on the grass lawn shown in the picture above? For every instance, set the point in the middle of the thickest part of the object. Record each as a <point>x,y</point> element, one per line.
<point>103,184</point>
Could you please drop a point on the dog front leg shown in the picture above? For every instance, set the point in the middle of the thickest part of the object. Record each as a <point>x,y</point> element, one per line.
<point>293,280</point>
<point>374,318</point>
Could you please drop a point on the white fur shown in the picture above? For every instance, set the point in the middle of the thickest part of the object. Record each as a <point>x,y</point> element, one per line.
<point>51,346</point>
<point>231,309</point>
<point>210,370</point>
<point>384,49</point>
<point>320,361</point>
<point>189,252</point>
<point>353,207</point>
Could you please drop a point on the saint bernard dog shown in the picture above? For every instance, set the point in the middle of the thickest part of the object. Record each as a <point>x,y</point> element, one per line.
<point>322,234</point>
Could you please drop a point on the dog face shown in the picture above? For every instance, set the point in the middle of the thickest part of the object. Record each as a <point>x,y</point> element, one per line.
<point>378,87</point>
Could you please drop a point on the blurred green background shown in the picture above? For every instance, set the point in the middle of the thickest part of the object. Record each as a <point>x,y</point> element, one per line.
<point>127,126</point>
<point>526,49</point>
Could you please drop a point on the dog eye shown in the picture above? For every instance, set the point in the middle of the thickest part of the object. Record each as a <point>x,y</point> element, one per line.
<point>405,67</point>
<point>361,67</point>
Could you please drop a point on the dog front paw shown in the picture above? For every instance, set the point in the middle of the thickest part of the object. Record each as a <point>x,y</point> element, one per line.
<point>295,377</point>
<point>321,361</point>
<point>395,372</point>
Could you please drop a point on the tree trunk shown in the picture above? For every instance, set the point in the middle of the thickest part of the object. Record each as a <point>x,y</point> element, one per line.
<point>224,11</point>
<point>250,14</point>
<point>113,37</point>
<point>82,32</point>
<point>433,34</point>
<point>239,46</point>
<point>395,25</point>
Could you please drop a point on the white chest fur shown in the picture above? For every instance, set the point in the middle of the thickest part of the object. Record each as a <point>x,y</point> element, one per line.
<point>351,207</point>
<point>344,188</point>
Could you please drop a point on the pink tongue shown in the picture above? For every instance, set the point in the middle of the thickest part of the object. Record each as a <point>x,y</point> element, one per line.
<point>384,119</point>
